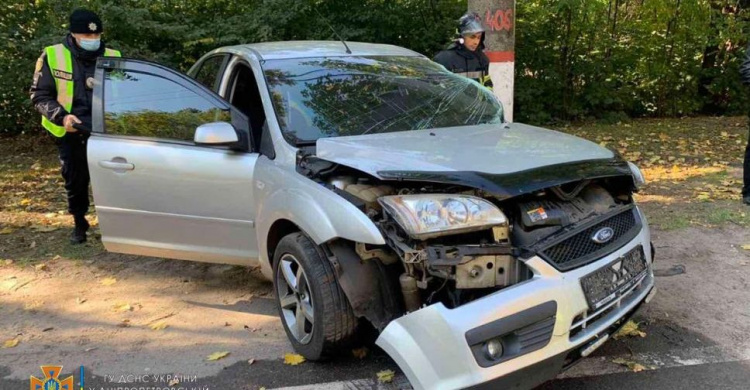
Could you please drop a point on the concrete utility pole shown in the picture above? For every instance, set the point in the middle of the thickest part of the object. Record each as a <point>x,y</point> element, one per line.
<point>499,20</point>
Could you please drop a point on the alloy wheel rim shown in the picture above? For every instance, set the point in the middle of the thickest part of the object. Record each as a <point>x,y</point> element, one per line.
<point>295,299</point>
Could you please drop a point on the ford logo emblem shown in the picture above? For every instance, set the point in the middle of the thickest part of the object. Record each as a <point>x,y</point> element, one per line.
<point>603,235</point>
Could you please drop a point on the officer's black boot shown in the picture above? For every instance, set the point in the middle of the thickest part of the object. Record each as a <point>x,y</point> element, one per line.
<point>79,232</point>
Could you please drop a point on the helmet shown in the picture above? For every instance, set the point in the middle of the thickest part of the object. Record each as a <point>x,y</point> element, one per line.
<point>470,23</point>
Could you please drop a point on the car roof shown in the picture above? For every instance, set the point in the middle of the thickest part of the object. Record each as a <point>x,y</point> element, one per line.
<point>308,49</point>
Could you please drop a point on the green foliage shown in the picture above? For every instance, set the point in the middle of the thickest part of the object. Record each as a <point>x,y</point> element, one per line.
<point>610,59</point>
<point>576,59</point>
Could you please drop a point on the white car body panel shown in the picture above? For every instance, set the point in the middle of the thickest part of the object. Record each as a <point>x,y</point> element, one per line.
<point>429,345</point>
<point>493,149</point>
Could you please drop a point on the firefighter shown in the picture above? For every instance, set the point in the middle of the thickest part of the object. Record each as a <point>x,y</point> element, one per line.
<point>62,91</point>
<point>465,56</point>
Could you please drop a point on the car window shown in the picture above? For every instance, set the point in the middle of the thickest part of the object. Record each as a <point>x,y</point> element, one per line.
<point>145,105</point>
<point>208,74</point>
<point>329,97</point>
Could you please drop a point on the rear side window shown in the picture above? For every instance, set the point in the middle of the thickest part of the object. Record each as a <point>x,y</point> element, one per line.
<point>144,105</point>
<point>208,74</point>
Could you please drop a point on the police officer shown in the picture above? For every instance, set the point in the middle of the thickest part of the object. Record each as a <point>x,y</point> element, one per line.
<point>62,92</point>
<point>465,56</point>
<point>745,74</point>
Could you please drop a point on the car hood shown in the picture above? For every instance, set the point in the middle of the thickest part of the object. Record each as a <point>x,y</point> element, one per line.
<point>491,149</point>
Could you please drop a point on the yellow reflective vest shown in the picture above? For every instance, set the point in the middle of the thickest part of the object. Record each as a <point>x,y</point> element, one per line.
<point>60,62</point>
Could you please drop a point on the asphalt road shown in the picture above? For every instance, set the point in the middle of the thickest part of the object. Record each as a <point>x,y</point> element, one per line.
<point>676,359</point>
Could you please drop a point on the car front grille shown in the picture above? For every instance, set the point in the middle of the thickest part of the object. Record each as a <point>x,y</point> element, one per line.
<point>577,248</point>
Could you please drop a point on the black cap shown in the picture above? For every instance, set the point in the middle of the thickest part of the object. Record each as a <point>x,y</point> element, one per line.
<point>83,21</point>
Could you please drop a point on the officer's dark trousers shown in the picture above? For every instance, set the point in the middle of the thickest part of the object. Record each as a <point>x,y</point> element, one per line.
<point>75,171</point>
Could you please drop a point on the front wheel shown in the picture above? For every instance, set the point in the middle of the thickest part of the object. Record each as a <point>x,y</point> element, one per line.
<point>315,312</point>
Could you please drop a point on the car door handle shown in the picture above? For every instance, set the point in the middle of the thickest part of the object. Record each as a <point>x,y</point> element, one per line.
<point>116,165</point>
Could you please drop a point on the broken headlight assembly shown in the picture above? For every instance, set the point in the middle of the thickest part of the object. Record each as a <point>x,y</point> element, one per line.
<point>425,216</point>
<point>638,177</point>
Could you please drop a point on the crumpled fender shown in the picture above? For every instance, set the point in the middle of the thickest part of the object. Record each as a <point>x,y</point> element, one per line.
<point>317,211</point>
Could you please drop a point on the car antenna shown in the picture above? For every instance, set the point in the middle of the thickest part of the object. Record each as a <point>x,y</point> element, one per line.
<point>334,31</point>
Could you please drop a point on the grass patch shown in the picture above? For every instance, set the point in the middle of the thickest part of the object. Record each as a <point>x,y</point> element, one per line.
<point>727,214</point>
<point>675,222</point>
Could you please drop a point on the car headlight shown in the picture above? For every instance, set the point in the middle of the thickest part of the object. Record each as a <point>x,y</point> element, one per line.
<point>638,177</point>
<point>430,215</point>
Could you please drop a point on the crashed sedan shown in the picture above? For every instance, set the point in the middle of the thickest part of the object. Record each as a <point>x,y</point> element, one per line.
<point>376,190</point>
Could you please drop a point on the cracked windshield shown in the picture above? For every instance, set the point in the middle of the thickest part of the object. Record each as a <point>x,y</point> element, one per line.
<point>329,97</point>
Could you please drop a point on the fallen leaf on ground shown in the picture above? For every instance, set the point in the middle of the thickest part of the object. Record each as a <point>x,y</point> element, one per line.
<point>173,382</point>
<point>293,359</point>
<point>251,361</point>
<point>41,267</point>
<point>386,376</point>
<point>45,229</point>
<point>108,281</point>
<point>746,247</point>
<point>81,300</point>
<point>227,324</point>
<point>360,353</point>
<point>630,329</point>
<point>121,307</point>
<point>161,325</point>
<point>217,355</point>
<point>32,306</point>
<point>10,343</point>
<point>25,202</point>
<point>8,284</point>
<point>6,231</point>
<point>631,365</point>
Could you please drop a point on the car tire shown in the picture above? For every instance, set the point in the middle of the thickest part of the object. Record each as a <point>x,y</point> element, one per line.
<point>304,279</point>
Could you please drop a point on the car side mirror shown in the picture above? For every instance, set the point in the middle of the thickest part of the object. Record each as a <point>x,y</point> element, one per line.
<point>216,134</point>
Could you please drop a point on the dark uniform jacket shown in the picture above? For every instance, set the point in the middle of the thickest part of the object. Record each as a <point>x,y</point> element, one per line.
<point>44,91</point>
<point>458,59</point>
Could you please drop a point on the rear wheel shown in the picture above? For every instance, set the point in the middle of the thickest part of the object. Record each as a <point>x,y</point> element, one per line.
<point>315,313</point>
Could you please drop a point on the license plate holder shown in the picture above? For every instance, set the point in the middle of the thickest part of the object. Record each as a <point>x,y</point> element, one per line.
<point>610,282</point>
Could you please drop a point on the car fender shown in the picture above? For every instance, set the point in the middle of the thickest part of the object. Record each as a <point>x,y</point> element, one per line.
<point>317,211</point>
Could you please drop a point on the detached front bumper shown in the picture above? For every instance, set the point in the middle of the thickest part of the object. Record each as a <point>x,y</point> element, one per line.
<point>546,322</point>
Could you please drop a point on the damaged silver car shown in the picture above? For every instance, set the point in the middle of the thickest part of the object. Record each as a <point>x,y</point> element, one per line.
<point>376,190</point>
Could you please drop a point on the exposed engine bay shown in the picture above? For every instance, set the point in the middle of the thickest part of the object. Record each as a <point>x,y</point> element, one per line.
<point>454,263</point>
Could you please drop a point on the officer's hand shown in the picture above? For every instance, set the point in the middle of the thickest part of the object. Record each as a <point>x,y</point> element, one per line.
<point>68,122</point>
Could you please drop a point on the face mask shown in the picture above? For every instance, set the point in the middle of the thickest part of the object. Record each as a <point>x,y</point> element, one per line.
<point>89,44</point>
